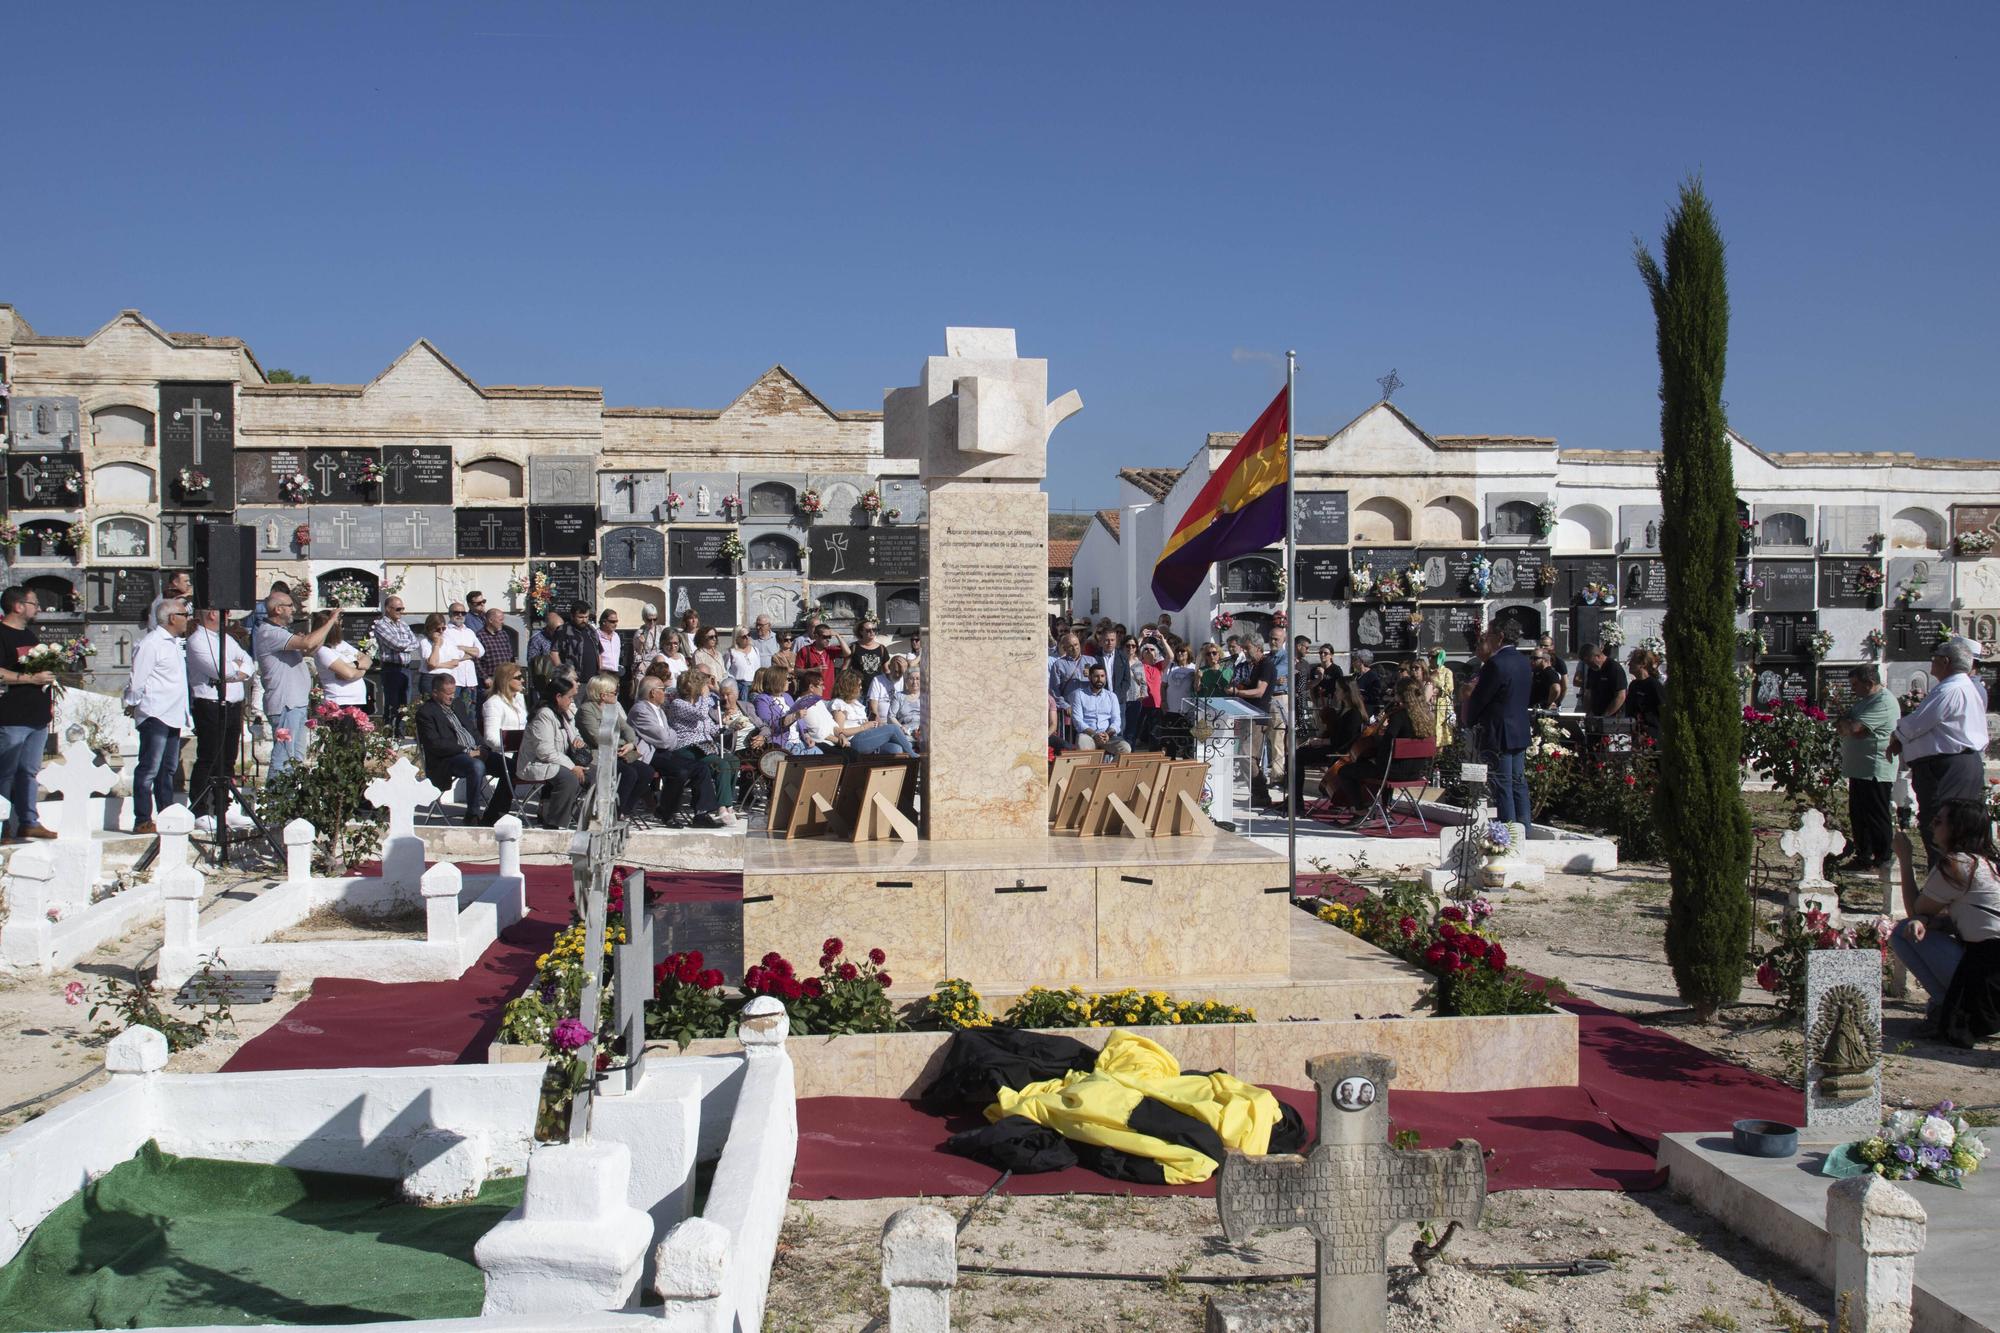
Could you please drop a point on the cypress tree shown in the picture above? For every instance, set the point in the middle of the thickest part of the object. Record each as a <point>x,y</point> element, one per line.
<point>1703,822</point>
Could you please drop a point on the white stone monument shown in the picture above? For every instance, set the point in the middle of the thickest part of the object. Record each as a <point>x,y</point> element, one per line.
<point>1812,842</point>
<point>1877,1232</point>
<point>76,853</point>
<point>402,793</point>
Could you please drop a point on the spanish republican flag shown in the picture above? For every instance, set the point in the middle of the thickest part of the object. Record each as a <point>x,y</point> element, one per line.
<point>1240,510</point>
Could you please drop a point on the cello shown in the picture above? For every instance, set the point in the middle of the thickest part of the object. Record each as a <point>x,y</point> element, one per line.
<point>1330,780</point>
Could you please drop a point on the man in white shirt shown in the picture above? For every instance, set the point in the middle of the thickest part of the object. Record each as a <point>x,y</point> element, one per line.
<point>217,711</point>
<point>157,695</point>
<point>608,644</point>
<point>1943,739</point>
<point>462,639</point>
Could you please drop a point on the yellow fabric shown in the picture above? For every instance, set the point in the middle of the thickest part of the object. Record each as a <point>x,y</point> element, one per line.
<point>1094,1108</point>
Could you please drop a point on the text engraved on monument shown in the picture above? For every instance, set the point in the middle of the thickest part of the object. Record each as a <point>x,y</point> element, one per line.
<point>990,585</point>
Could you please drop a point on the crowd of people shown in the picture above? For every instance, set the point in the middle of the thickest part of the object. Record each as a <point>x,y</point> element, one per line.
<point>691,707</point>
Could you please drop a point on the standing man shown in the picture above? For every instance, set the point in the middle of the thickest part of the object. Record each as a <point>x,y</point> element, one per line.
<point>157,695</point>
<point>1603,682</point>
<point>285,661</point>
<point>1099,724</point>
<point>461,639</point>
<point>1498,705</point>
<point>1943,739</point>
<point>475,609</point>
<point>580,643</point>
<point>763,642</point>
<point>822,657</point>
<point>495,646</point>
<point>1361,665</point>
<point>610,648</point>
<point>218,673</point>
<point>26,710</point>
<point>1258,686</point>
<point>396,649</point>
<point>1865,727</point>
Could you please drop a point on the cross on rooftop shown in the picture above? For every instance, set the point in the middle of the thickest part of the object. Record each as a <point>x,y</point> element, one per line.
<point>1390,383</point>
<point>1352,1190</point>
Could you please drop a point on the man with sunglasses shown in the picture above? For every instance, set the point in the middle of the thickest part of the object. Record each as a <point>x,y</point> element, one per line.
<point>157,695</point>
<point>821,657</point>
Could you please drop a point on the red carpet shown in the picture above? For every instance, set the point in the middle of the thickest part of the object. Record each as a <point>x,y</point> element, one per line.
<point>1402,824</point>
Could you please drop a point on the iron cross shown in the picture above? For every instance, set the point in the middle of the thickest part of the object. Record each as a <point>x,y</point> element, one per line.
<point>1390,383</point>
<point>197,415</point>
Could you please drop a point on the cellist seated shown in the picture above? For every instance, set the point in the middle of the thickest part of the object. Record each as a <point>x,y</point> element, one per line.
<point>1356,783</point>
<point>1343,720</point>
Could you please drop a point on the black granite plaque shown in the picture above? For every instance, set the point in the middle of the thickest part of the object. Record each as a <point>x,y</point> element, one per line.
<point>633,553</point>
<point>335,476</point>
<point>45,481</point>
<point>492,533</point>
<point>261,473</point>
<point>1789,585</point>
<point>1913,635</point>
<point>697,553</point>
<point>1643,582</point>
<point>1836,691</point>
<point>715,599</point>
<point>1575,574</point>
<point>1782,680</point>
<point>134,592</point>
<point>845,553</point>
<point>1785,632</point>
<point>561,529</point>
<point>416,474</point>
<point>1840,583</point>
<point>197,432</point>
<point>1320,576</point>
<point>565,580</point>
<point>1382,629</point>
<point>1322,518</point>
<point>1453,627</point>
<point>1445,573</point>
<point>1251,578</point>
<point>357,624</point>
<point>1560,630</point>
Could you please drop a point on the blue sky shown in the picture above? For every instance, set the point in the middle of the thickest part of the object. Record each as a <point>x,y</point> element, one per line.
<point>663,200</point>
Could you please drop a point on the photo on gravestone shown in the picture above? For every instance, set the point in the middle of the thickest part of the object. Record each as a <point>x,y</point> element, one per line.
<point>715,599</point>
<point>1782,680</point>
<point>565,580</point>
<point>261,474</point>
<point>1913,635</point>
<point>1453,627</point>
<point>417,532</point>
<point>1644,582</point>
<point>1322,518</point>
<point>1384,629</point>
<point>1516,573</point>
<point>1850,583</point>
<point>1923,582</point>
<point>632,496</point>
<point>1320,576</point>
<point>346,532</point>
<point>566,530</point>
<point>501,533</point>
<point>338,476</point>
<point>1250,578</point>
<point>632,553</point>
<point>45,481</point>
<point>562,479</point>
<point>1836,691</point>
<point>900,605</point>
<point>698,553</point>
<point>44,423</point>
<point>197,434</point>
<point>416,474</point>
<point>1447,573</point>
<point>1785,632</point>
<point>1789,585</point>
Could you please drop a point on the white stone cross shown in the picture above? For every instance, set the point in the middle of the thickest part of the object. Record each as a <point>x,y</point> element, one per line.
<point>200,415</point>
<point>1812,842</point>
<point>402,793</point>
<point>1352,1190</point>
<point>396,470</point>
<point>491,525</point>
<point>326,468</point>
<point>417,521</point>
<point>76,779</point>
<point>344,522</point>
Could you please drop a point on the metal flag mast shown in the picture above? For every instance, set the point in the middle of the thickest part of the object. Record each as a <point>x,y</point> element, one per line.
<point>1291,618</point>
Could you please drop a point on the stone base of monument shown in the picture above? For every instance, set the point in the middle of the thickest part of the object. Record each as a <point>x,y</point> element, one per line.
<point>1341,849</point>
<point>1779,1204</point>
<point>1009,914</point>
<point>1261,1310</point>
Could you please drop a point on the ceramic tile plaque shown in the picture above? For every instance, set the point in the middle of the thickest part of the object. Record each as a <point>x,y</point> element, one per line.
<point>416,474</point>
<point>45,423</point>
<point>1321,518</point>
<point>1320,576</point>
<point>418,532</point>
<point>1847,529</point>
<point>346,532</point>
<point>259,473</point>
<point>715,599</point>
<point>703,496</point>
<point>336,476</point>
<point>697,553</point>
<point>276,528</point>
<point>561,530</point>
<point>633,553</point>
<point>1639,528</point>
<point>562,479</point>
<point>632,496</point>
<point>492,533</point>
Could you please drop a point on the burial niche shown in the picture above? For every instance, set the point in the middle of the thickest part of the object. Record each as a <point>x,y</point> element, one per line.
<point>1516,520</point>
<point>771,499</point>
<point>1782,529</point>
<point>1450,518</point>
<point>492,479</point>
<point>1380,519</point>
<point>1584,528</point>
<point>844,608</point>
<point>1252,577</point>
<point>773,553</point>
<point>122,538</point>
<point>118,424</point>
<point>122,484</point>
<point>45,539</point>
<point>54,593</point>
<point>1916,530</point>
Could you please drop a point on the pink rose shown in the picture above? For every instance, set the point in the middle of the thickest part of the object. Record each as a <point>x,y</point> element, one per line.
<point>283,735</point>
<point>73,993</point>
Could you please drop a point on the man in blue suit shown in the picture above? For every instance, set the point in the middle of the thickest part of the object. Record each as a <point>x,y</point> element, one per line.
<point>1498,707</point>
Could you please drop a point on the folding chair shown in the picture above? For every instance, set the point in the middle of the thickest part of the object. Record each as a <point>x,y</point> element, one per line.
<point>1405,749</point>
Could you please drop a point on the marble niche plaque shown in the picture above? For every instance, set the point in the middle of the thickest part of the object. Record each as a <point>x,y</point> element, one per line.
<point>1641,625</point>
<point>346,532</point>
<point>633,553</point>
<point>1384,628</point>
<point>1966,519</point>
<point>1840,583</point>
<point>631,496</point>
<point>702,495</point>
<point>276,530</point>
<point>1643,582</point>
<point>772,495</point>
<point>260,472</point>
<point>783,600</point>
<point>125,593</point>
<point>1790,681</point>
<point>561,530</point>
<point>1913,634</point>
<point>906,496</point>
<point>697,553</point>
<point>416,474</point>
<point>866,553</point>
<point>45,481</point>
<point>45,423</point>
<point>1789,585</point>
<point>715,599</point>
<point>418,532</point>
<point>1849,628</point>
<point>565,580</point>
<point>1447,574</point>
<point>562,479</point>
<point>1517,573</point>
<point>1847,529</point>
<point>1785,632</point>
<point>1320,576</point>
<point>492,533</point>
<point>336,476</point>
<point>1324,622</point>
<point>1453,627</point>
<point>900,605</point>
<point>1639,528</point>
<point>1321,518</point>
<point>840,495</point>
<point>1931,579</point>
<point>118,646</point>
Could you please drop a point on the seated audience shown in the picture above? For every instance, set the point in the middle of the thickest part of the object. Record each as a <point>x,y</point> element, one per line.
<point>553,753</point>
<point>854,727</point>
<point>451,753</point>
<point>1411,718</point>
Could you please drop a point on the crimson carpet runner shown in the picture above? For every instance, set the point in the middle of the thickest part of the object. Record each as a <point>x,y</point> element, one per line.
<point>353,1024</point>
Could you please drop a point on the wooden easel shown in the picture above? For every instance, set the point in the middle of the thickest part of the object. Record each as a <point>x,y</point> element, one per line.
<point>868,807</point>
<point>1104,803</point>
<point>802,799</point>
<point>1176,807</point>
<point>1063,774</point>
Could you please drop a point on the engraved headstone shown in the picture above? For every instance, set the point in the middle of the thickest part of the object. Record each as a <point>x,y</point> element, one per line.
<point>416,474</point>
<point>1844,583</point>
<point>1453,627</point>
<point>336,476</point>
<point>492,533</point>
<point>346,532</point>
<point>261,474</point>
<point>45,481</point>
<point>1644,582</point>
<point>1928,581</point>
<point>715,599</point>
<point>565,580</point>
<point>1351,1190</point>
<point>697,553</point>
<point>1847,529</point>
<point>1836,690</point>
<point>631,495</point>
<point>1324,622</point>
<point>276,533</point>
<point>781,600</point>
<point>1575,574</point>
<point>1322,517</point>
<point>197,432</point>
<point>1812,842</point>
<point>1785,632</point>
<point>561,530</point>
<point>418,532</point>
<point>44,423</point>
<point>1516,573</point>
<point>633,553</point>
<point>1320,576</point>
<point>1385,628</point>
<point>1789,585</point>
<point>562,479</point>
<point>1843,1040</point>
<point>865,552</point>
<point>1784,526</point>
<point>1639,528</point>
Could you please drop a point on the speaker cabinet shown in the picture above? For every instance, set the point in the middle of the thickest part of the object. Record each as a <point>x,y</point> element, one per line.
<point>225,566</point>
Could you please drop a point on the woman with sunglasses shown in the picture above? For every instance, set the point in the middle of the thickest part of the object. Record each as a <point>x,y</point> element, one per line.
<point>1951,939</point>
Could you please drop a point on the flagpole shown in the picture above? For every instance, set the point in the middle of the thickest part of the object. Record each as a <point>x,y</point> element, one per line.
<point>1291,619</point>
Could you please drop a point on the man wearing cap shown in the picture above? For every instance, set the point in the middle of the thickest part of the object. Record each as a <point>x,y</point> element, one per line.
<point>1943,739</point>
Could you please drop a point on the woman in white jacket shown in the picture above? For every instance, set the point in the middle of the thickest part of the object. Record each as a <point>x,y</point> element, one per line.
<point>506,707</point>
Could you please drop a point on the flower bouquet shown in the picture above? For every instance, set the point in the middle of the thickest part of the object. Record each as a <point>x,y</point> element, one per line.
<point>1222,620</point>
<point>1611,634</point>
<point>66,655</point>
<point>74,537</point>
<point>1545,517</point>
<point>302,536</point>
<point>674,503</point>
<point>1497,839</point>
<point>1655,645</point>
<point>1931,1145</point>
<point>871,502</point>
<point>1545,576</point>
<point>732,505</point>
<point>10,535</point>
<point>1873,642</point>
<point>369,473</point>
<point>1819,643</point>
<point>1414,581</point>
<point>1911,589</point>
<point>892,515</point>
<point>1977,542</point>
<point>1600,594</point>
<point>1361,580</point>
<point>1480,577</point>
<point>688,1000</point>
<point>1751,641</point>
<point>1782,969</point>
<point>540,592</point>
<point>295,489</point>
<point>732,546</point>
<point>72,484</point>
<point>346,592</point>
<point>193,481</point>
<point>810,504</point>
<point>1389,587</point>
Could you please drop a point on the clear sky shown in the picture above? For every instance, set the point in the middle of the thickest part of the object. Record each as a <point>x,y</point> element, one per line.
<point>665,199</point>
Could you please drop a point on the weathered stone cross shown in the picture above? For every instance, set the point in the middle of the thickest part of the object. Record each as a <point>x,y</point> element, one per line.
<point>1352,1190</point>
<point>200,415</point>
<point>326,468</point>
<point>402,793</point>
<point>1812,842</point>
